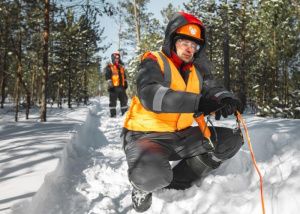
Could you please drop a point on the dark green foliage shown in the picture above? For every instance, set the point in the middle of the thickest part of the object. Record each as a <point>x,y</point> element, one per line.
<point>259,39</point>
<point>264,48</point>
<point>74,48</point>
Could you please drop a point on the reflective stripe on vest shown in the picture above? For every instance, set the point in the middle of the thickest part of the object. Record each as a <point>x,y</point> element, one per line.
<point>140,119</point>
<point>115,75</point>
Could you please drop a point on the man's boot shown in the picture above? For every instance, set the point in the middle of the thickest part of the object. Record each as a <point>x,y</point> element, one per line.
<point>189,170</point>
<point>141,200</point>
<point>113,112</point>
<point>183,176</point>
<point>203,164</point>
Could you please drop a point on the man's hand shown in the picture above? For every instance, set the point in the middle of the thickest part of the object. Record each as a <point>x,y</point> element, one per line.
<point>230,106</point>
<point>228,102</point>
<point>110,86</point>
<point>125,85</point>
<point>208,106</point>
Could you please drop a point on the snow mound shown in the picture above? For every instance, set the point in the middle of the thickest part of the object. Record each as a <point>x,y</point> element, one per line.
<point>92,174</point>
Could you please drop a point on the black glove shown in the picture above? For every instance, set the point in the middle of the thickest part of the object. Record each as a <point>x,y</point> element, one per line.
<point>208,105</point>
<point>228,103</point>
<point>230,106</point>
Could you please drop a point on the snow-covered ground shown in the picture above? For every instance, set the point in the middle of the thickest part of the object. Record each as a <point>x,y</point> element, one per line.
<point>91,176</point>
<point>30,149</point>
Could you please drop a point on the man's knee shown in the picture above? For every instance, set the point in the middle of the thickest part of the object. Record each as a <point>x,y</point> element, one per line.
<point>151,175</point>
<point>229,145</point>
<point>112,99</point>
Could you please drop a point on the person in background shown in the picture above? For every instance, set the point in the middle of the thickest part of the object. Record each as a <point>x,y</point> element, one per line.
<point>172,85</point>
<point>117,84</point>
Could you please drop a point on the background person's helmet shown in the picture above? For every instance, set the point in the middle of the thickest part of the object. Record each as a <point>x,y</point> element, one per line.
<point>183,25</point>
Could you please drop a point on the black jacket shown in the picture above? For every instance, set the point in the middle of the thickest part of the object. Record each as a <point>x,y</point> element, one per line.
<point>150,79</point>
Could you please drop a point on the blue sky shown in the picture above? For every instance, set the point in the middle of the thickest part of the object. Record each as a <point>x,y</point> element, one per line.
<point>155,6</point>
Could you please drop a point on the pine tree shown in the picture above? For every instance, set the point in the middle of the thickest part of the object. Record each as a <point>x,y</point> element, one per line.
<point>140,33</point>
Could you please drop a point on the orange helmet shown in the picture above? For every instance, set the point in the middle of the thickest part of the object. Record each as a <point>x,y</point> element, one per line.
<point>190,30</point>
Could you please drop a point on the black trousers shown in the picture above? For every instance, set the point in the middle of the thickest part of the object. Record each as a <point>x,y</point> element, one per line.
<point>148,156</point>
<point>117,93</point>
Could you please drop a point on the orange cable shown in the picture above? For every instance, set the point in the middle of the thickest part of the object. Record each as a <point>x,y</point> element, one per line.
<point>240,119</point>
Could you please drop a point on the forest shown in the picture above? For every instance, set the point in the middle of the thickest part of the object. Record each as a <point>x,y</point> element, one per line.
<point>52,51</point>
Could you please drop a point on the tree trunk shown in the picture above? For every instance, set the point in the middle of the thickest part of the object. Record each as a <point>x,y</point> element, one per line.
<point>226,61</point>
<point>43,109</point>
<point>5,67</point>
<point>226,52</point>
<point>28,98</point>
<point>119,23</point>
<point>18,52</point>
<point>3,79</point>
<point>137,24</point>
<point>286,83</point>
<point>243,84</point>
<point>69,90</point>
<point>69,81</point>
<point>85,89</point>
<point>20,83</point>
<point>59,97</point>
<point>85,82</point>
<point>18,87</point>
<point>32,90</point>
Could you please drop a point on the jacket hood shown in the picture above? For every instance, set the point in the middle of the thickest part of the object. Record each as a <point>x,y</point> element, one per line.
<point>178,20</point>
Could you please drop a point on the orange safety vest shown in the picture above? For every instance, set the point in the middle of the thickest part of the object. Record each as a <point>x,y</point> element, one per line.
<point>115,75</point>
<point>140,119</point>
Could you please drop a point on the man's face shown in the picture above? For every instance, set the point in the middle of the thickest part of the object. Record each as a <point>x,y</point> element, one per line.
<point>117,58</point>
<point>185,49</point>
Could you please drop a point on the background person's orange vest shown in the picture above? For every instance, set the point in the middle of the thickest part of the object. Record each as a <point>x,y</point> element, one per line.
<point>140,119</point>
<point>115,78</point>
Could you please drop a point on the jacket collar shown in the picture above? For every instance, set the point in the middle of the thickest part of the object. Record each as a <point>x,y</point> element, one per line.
<point>117,65</point>
<point>180,65</point>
